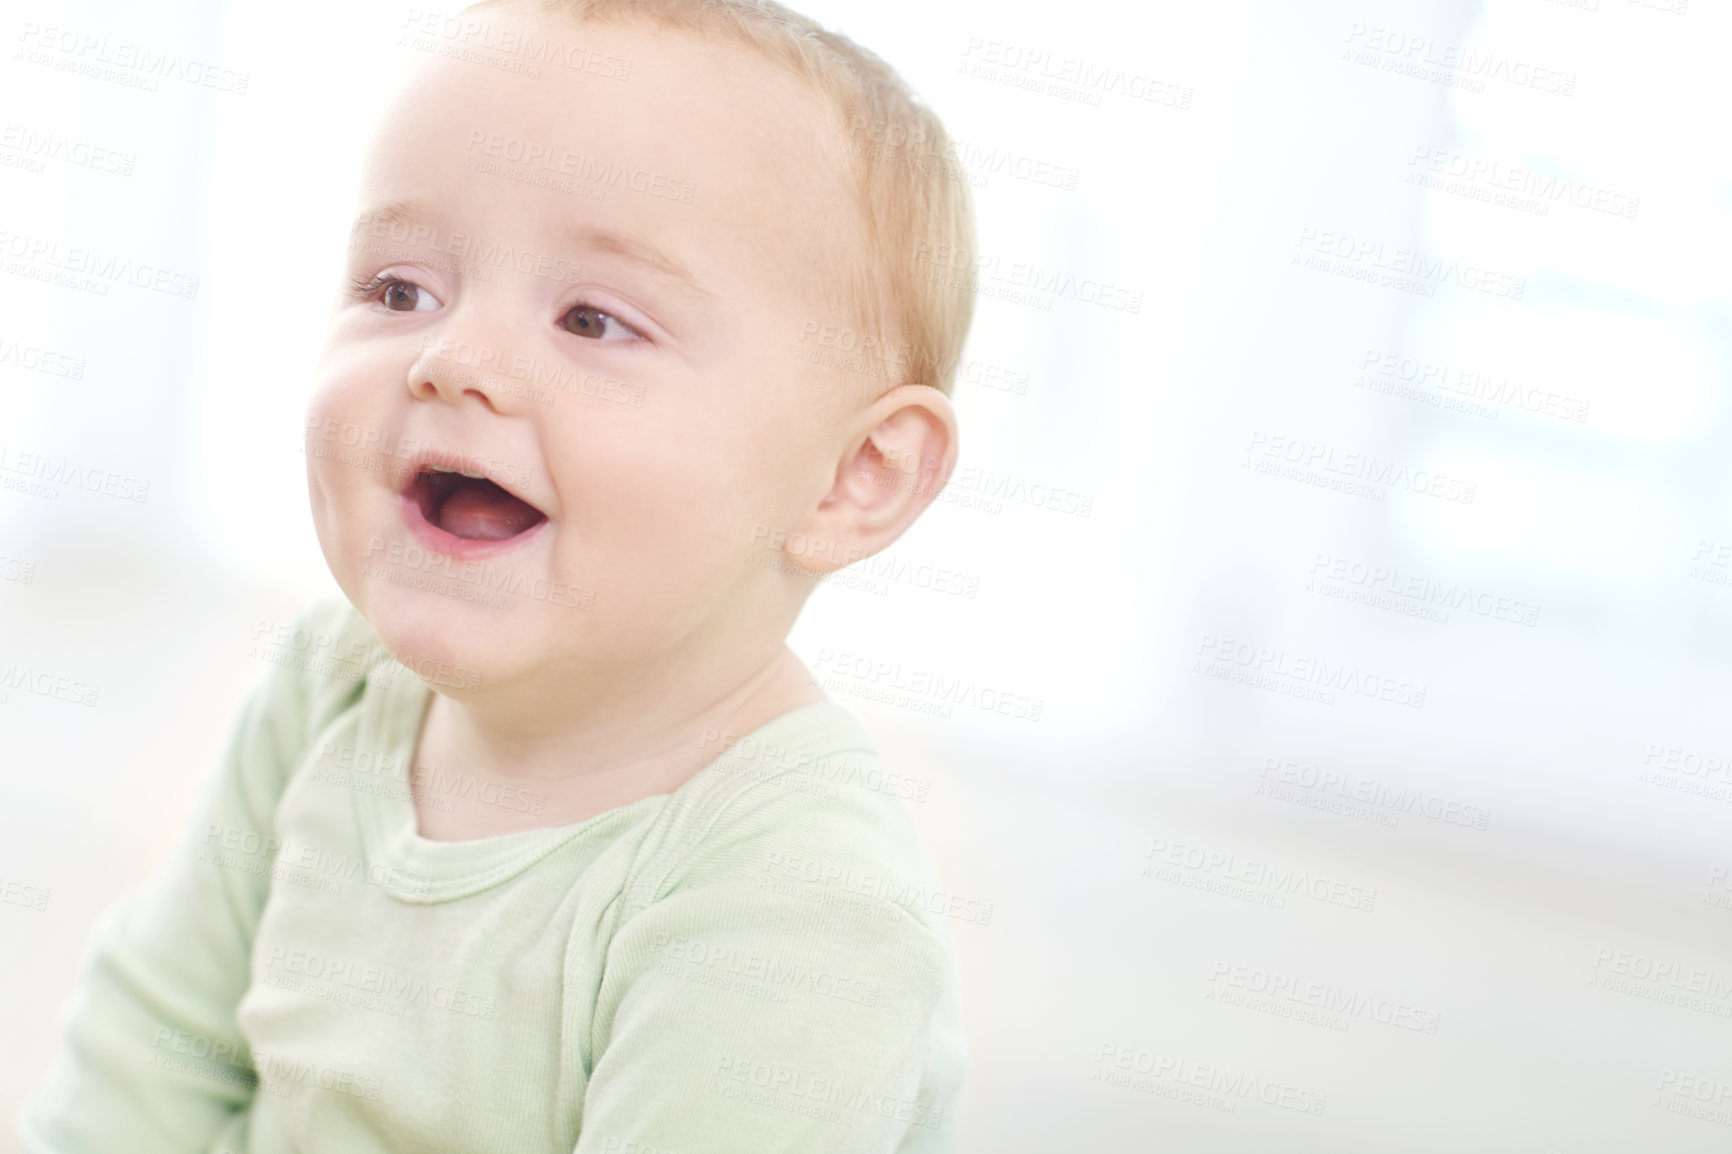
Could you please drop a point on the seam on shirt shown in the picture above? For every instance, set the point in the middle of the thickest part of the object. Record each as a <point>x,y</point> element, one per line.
<point>661,889</point>
<point>718,806</point>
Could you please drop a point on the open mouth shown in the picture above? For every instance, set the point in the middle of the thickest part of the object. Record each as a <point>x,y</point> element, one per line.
<point>472,508</point>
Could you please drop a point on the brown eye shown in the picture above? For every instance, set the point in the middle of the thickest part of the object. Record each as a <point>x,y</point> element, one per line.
<point>395,294</point>
<point>588,321</point>
<point>401,296</point>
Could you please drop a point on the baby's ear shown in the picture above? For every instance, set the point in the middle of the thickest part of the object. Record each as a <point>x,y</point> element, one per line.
<point>900,455</point>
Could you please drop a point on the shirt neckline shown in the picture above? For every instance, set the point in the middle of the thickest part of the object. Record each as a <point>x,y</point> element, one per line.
<point>424,871</point>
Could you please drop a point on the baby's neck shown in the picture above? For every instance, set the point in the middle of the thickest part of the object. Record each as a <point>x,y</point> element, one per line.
<point>567,775</point>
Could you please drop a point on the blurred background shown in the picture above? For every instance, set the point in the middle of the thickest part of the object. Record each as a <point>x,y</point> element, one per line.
<point>1357,562</point>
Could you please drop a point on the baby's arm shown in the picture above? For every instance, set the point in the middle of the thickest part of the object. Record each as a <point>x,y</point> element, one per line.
<point>742,1012</point>
<point>154,1061</point>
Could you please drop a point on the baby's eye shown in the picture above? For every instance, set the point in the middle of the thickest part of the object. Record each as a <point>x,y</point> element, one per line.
<point>588,321</point>
<point>402,297</point>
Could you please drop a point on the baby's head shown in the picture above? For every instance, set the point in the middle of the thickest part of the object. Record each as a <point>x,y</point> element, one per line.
<point>651,267</point>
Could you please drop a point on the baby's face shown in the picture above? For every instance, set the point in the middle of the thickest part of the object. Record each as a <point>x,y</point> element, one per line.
<point>587,288</point>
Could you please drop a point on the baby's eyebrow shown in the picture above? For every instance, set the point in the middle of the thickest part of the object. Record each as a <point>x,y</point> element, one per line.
<point>397,212</point>
<point>642,251</point>
<point>587,236</point>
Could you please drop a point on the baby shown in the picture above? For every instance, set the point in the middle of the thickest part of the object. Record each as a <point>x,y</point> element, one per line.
<point>561,848</point>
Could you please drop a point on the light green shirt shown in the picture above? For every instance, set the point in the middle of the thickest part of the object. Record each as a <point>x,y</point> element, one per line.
<point>756,962</point>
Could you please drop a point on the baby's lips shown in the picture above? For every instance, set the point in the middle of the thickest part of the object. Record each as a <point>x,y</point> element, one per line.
<point>445,461</point>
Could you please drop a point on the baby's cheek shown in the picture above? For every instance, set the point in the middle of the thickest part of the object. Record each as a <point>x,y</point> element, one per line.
<point>668,563</point>
<point>355,391</point>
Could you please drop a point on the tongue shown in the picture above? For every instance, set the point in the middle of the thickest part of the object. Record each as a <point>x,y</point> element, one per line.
<point>482,511</point>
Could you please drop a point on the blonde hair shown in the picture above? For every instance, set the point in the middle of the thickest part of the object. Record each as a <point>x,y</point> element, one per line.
<point>916,212</point>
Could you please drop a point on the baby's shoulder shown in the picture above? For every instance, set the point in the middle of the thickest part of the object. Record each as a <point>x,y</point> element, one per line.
<point>324,657</point>
<point>806,806</point>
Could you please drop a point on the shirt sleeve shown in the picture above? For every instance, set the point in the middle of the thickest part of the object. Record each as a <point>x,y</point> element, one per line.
<point>153,1061</point>
<point>774,1010</point>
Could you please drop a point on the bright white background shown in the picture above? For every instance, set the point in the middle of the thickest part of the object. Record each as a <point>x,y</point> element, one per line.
<point>1298,125</point>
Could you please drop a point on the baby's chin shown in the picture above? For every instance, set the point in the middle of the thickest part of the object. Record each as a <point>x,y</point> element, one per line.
<point>457,646</point>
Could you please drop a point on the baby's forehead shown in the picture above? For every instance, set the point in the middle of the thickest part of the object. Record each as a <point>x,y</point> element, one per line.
<point>677,83</point>
<point>682,114</point>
